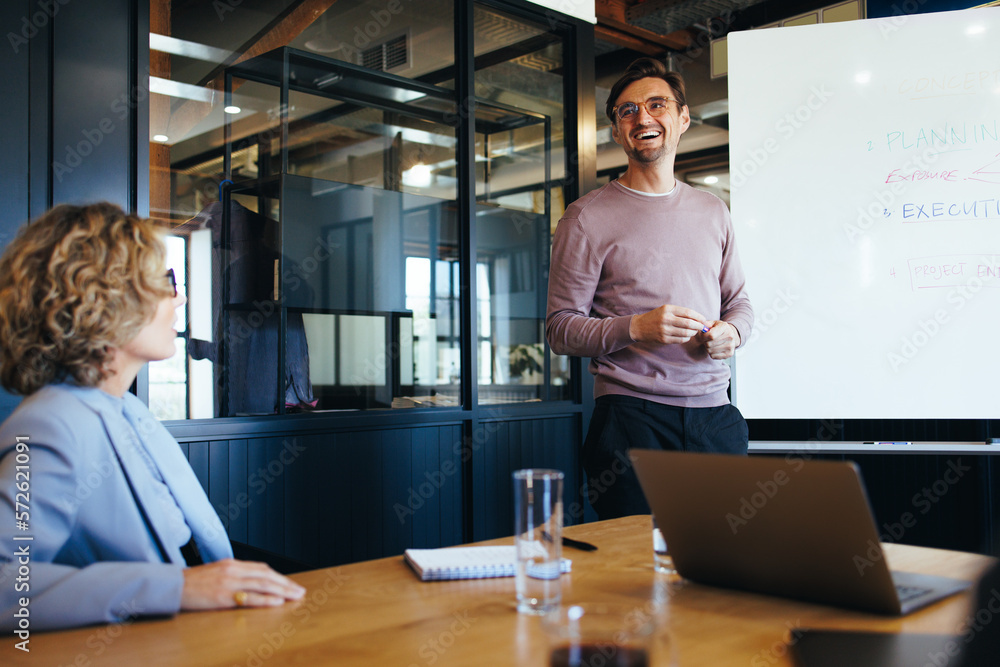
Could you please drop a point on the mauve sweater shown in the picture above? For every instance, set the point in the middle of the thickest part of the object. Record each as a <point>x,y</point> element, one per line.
<point>618,253</point>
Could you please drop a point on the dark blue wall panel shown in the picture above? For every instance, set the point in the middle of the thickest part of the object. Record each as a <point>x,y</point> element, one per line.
<point>305,482</point>
<point>235,512</point>
<point>402,449</point>
<point>92,102</point>
<point>198,458</point>
<point>20,31</point>
<point>218,477</point>
<point>14,121</point>
<point>514,444</point>
<point>327,499</point>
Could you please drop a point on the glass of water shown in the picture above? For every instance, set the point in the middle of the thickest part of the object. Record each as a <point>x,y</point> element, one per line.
<point>662,562</point>
<point>538,518</point>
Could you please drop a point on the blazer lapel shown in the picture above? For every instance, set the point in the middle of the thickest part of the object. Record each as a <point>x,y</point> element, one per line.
<point>206,527</point>
<point>124,443</point>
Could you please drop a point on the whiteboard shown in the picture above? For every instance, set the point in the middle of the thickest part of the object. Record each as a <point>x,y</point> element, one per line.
<point>865,176</point>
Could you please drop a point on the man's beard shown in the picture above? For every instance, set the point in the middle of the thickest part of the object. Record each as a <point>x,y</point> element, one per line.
<point>647,155</point>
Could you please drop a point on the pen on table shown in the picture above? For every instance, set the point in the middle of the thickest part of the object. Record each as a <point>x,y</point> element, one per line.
<point>569,542</point>
<point>578,544</point>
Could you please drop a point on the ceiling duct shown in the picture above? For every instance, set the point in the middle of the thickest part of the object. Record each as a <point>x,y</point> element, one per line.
<point>666,16</point>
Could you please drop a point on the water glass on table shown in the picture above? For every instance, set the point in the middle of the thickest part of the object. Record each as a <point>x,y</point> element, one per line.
<point>662,562</point>
<point>538,517</point>
<point>586,634</point>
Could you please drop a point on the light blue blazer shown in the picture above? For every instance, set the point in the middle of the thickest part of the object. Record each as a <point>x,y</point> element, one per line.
<point>100,548</point>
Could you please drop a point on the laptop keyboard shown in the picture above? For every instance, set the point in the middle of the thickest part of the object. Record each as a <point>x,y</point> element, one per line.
<point>907,593</point>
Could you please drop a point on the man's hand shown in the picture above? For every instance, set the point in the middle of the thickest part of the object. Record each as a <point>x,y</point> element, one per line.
<point>720,340</point>
<point>666,324</point>
<point>215,586</point>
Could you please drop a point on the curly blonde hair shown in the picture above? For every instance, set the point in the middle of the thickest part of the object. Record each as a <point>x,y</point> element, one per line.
<point>74,284</point>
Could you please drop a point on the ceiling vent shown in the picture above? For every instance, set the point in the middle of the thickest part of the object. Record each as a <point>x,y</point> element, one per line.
<point>387,56</point>
<point>666,16</point>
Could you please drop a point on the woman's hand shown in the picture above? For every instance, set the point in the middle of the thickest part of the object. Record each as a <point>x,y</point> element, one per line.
<point>236,583</point>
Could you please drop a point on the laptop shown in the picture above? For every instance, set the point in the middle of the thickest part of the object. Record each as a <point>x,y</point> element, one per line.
<point>798,529</point>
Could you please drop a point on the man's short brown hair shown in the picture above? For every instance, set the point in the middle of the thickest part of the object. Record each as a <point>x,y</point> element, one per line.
<point>645,68</point>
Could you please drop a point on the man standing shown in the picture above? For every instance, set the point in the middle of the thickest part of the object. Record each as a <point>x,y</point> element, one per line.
<point>645,280</point>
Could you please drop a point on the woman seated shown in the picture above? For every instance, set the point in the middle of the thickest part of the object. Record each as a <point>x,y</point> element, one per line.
<point>119,526</point>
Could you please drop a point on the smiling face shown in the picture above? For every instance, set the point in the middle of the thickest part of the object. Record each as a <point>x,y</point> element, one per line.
<point>647,140</point>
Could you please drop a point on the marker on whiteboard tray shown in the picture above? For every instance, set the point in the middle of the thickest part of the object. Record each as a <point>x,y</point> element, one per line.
<point>890,442</point>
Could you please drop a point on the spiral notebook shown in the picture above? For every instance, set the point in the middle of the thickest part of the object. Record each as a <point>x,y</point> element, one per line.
<point>467,562</point>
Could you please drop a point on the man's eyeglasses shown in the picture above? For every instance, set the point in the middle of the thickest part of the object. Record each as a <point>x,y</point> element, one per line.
<point>172,279</point>
<point>654,106</point>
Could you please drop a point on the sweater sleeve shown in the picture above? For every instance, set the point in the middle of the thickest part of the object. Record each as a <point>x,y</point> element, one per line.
<point>736,308</point>
<point>573,277</point>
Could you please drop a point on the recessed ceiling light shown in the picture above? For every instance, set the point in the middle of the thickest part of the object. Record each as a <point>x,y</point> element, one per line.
<point>418,176</point>
<point>161,138</point>
<point>232,108</point>
<point>711,180</point>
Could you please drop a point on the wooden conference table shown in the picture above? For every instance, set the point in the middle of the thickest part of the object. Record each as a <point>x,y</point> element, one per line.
<point>378,613</point>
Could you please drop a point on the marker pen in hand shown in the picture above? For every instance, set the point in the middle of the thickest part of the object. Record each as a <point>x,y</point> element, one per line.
<point>704,329</point>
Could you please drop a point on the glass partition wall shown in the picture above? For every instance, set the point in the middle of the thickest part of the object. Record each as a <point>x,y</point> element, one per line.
<point>307,164</point>
<point>519,163</point>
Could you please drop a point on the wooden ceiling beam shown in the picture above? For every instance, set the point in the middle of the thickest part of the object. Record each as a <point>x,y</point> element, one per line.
<point>278,33</point>
<point>611,17</point>
<point>628,41</point>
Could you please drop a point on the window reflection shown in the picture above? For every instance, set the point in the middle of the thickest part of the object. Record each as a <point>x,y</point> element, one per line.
<point>520,164</point>
<point>168,378</point>
<point>335,281</point>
